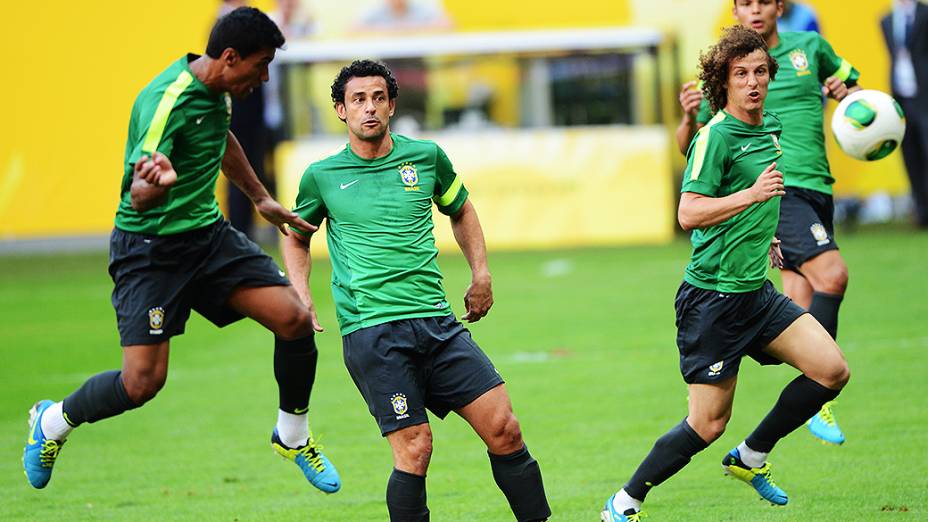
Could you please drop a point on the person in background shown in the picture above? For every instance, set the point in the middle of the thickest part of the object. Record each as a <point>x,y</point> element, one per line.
<point>905,29</point>
<point>798,16</point>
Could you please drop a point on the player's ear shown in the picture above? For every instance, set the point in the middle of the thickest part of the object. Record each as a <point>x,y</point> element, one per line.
<point>230,56</point>
<point>341,111</point>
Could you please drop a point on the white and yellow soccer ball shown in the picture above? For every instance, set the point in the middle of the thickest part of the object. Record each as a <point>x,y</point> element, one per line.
<point>868,125</point>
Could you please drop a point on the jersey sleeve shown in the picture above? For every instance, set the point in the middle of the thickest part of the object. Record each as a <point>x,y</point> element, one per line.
<point>706,160</point>
<point>450,193</point>
<point>159,130</point>
<point>705,110</point>
<point>309,204</point>
<point>830,64</point>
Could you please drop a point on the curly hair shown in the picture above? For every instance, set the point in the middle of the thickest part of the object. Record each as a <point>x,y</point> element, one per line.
<point>362,69</point>
<point>736,42</point>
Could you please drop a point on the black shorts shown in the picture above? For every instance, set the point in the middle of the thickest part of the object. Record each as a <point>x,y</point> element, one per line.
<point>715,330</point>
<point>403,367</point>
<point>806,227</point>
<point>159,279</point>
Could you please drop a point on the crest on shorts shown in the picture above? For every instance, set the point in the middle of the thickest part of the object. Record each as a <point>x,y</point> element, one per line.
<point>820,234</point>
<point>155,320</point>
<point>800,62</point>
<point>409,175</point>
<point>399,403</point>
<point>715,369</point>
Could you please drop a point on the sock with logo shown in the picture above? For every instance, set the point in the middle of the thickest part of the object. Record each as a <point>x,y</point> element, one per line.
<point>100,397</point>
<point>623,502</point>
<point>800,399</point>
<point>669,455</point>
<point>824,308</point>
<point>295,371</point>
<point>54,425</point>
<point>519,477</point>
<point>406,498</point>
<point>293,429</point>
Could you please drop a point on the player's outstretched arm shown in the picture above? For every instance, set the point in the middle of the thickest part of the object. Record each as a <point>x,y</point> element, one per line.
<point>295,249</point>
<point>236,167</point>
<point>151,179</point>
<point>699,211</point>
<point>690,97</point>
<point>469,235</point>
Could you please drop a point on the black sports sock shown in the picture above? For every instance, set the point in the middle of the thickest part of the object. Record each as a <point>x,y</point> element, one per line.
<point>100,397</point>
<point>406,497</point>
<point>799,401</point>
<point>824,308</point>
<point>295,371</point>
<point>519,478</point>
<point>669,455</point>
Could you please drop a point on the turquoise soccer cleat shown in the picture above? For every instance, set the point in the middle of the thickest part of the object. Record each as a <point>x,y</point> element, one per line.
<point>40,453</point>
<point>610,514</point>
<point>824,426</point>
<point>315,466</point>
<point>758,478</point>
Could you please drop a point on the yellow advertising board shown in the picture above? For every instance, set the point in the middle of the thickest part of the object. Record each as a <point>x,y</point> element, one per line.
<point>543,188</point>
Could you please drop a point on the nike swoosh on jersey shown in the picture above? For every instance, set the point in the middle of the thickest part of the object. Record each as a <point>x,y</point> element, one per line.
<point>343,186</point>
<point>745,147</point>
<point>200,119</point>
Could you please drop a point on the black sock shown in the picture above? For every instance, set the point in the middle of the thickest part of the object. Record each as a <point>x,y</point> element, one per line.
<point>100,397</point>
<point>824,308</point>
<point>669,455</point>
<point>519,478</point>
<point>406,497</point>
<point>799,401</point>
<point>295,371</point>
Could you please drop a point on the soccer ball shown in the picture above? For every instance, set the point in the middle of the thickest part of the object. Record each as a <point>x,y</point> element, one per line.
<point>868,125</point>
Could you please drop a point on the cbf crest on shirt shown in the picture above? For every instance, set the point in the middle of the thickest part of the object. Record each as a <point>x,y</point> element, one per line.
<point>379,229</point>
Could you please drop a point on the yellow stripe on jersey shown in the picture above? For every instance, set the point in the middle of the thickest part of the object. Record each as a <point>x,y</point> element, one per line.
<point>844,71</point>
<point>448,197</point>
<point>702,140</point>
<point>160,120</point>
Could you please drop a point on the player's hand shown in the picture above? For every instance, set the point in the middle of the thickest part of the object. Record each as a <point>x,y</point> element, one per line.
<point>156,170</point>
<point>690,97</point>
<point>274,212</point>
<point>768,185</point>
<point>313,318</point>
<point>478,299</point>
<point>835,88</point>
<point>776,255</point>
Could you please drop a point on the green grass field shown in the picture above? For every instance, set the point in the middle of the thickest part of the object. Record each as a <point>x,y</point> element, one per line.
<point>585,340</point>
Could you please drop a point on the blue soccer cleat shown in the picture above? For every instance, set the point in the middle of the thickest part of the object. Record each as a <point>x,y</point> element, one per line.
<point>758,478</point>
<point>315,466</point>
<point>824,426</point>
<point>610,514</point>
<point>40,453</point>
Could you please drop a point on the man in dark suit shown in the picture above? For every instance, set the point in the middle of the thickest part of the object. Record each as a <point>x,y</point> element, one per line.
<point>906,31</point>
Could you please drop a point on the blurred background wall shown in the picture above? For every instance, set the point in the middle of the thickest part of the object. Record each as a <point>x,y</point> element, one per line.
<point>74,69</point>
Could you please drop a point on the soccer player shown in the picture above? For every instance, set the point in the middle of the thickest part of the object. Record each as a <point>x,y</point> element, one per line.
<point>726,308</point>
<point>171,251</point>
<point>814,272</point>
<point>402,345</point>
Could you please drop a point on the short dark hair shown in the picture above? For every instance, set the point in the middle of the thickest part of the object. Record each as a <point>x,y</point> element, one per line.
<point>736,42</point>
<point>245,29</point>
<point>363,69</point>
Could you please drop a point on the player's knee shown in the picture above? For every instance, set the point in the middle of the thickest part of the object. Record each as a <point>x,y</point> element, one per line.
<point>832,280</point>
<point>295,324</point>
<point>143,385</point>
<point>506,436</point>
<point>416,452</point>
<point>838,375</point>
<point>709,430</point>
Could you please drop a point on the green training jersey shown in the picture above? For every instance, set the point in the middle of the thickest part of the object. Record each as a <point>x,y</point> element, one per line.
<point>379,229</point>
<point>795,96</point>
<point>727,156</point>
<point>177,115</point>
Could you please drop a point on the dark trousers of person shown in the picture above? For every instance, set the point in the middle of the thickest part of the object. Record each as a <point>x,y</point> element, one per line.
<point>915,156</point>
